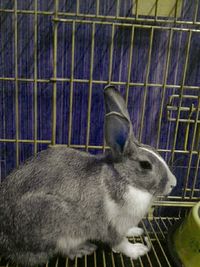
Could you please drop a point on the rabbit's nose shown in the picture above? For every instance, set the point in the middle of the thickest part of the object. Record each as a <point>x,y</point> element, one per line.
<point>173,181</point>
<point>173,184</point>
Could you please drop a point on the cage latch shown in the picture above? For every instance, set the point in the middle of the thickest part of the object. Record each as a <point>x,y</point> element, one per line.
<point>187,106</point>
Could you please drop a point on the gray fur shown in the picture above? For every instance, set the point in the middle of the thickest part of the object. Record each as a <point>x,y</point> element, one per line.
<point>55,202</point>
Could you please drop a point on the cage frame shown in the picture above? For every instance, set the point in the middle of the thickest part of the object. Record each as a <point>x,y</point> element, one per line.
<point>156,23</point>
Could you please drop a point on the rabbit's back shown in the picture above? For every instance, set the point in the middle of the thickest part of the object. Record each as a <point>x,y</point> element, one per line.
<point>57,192</point>
<point>58,169</point>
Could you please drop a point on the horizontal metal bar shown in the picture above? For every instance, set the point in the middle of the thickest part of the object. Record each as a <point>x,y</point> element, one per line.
<point>174,203</point>
<point>83,146</point>
<point>105,17</point>
<point>183,96</point>
<point>183,120</point>
<point>144,26</point>
<point>175,86</point>
<point>24,79</point>
<point>175,198</point>
<point>25,141</point>
<point>174,108</point>
<point>28,12</point>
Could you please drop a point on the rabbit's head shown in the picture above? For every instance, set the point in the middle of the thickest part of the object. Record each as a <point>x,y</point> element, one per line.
<point>140,165</point>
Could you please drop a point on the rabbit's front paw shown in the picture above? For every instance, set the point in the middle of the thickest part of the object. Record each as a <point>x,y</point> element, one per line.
<point>135,231</point>
<point>131,250</point>
<point>136,250</point>
<point>86,248</point>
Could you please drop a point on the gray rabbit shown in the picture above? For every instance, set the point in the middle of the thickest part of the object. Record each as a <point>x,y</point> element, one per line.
<point>62,199</point>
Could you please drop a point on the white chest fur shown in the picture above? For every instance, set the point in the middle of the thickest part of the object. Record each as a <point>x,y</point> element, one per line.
<point>136,205</point>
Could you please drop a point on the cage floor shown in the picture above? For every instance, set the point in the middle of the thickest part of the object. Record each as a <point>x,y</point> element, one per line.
<point>156,230</point>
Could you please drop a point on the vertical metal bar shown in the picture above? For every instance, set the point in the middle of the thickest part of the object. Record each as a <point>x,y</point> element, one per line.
<point>188,128</point>
<point>196,11</point>
<point>122,260</point>
<point>175,11</point>
<point>145,86</point>
<point>136,9</point>
<point>181,94</point>
<point>95,259</point>
<point>77,7</point>
<point>71,86</point>
<point>90,87</point>
<point>164,86</point>
<point>132,263</point>
<point>156,10</point>
<point>110,65</point>
<point>76,262</point>
<point>67,262</point>
<point>175,81</point>
<point>195,175</point>
<point>97,8</point>
<point>104,259</point>
<point>130,64</point>
<point>57,261</point>
<point>16,84</point>
<point>117,9</point>
<point>120,64</point>
<point>111,53</point>
<point>35,77</point>
<point>112,259</point>
<point>85,260</point>
<point>3,105</point>
<point>191,150</point>
<point>55,37</point>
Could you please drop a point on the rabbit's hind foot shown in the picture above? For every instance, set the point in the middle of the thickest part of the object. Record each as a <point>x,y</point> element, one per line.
<point>131,250</point>
<point>86,248</point>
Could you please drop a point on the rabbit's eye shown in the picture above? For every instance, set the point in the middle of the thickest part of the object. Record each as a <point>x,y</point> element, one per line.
<point>146,165</point>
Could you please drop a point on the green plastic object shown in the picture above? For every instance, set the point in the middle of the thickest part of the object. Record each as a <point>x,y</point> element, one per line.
<point>186,239</point>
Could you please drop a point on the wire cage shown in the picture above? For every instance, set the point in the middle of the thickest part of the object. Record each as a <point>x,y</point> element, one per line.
<point>55,58</point>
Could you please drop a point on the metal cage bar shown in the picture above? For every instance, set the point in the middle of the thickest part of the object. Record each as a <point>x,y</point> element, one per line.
<point>139,84</point>
<point>55,36</point>
<point>127,24</point>
<point>136,17</point>
<point>130,64</point>
<point>196,11</point>
<point>186,180</point>
<point>145,86</point>
<point>16,84</point>
<point>71,84</point>
<point>35,77</point>
<point>164,87</point>
<point>181,94</point>
<point>195,176</point>
<point>90,87</point>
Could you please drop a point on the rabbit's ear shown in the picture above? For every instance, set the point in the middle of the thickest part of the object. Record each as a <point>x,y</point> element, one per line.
<point>118,127</point>
<point>114,102</point>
